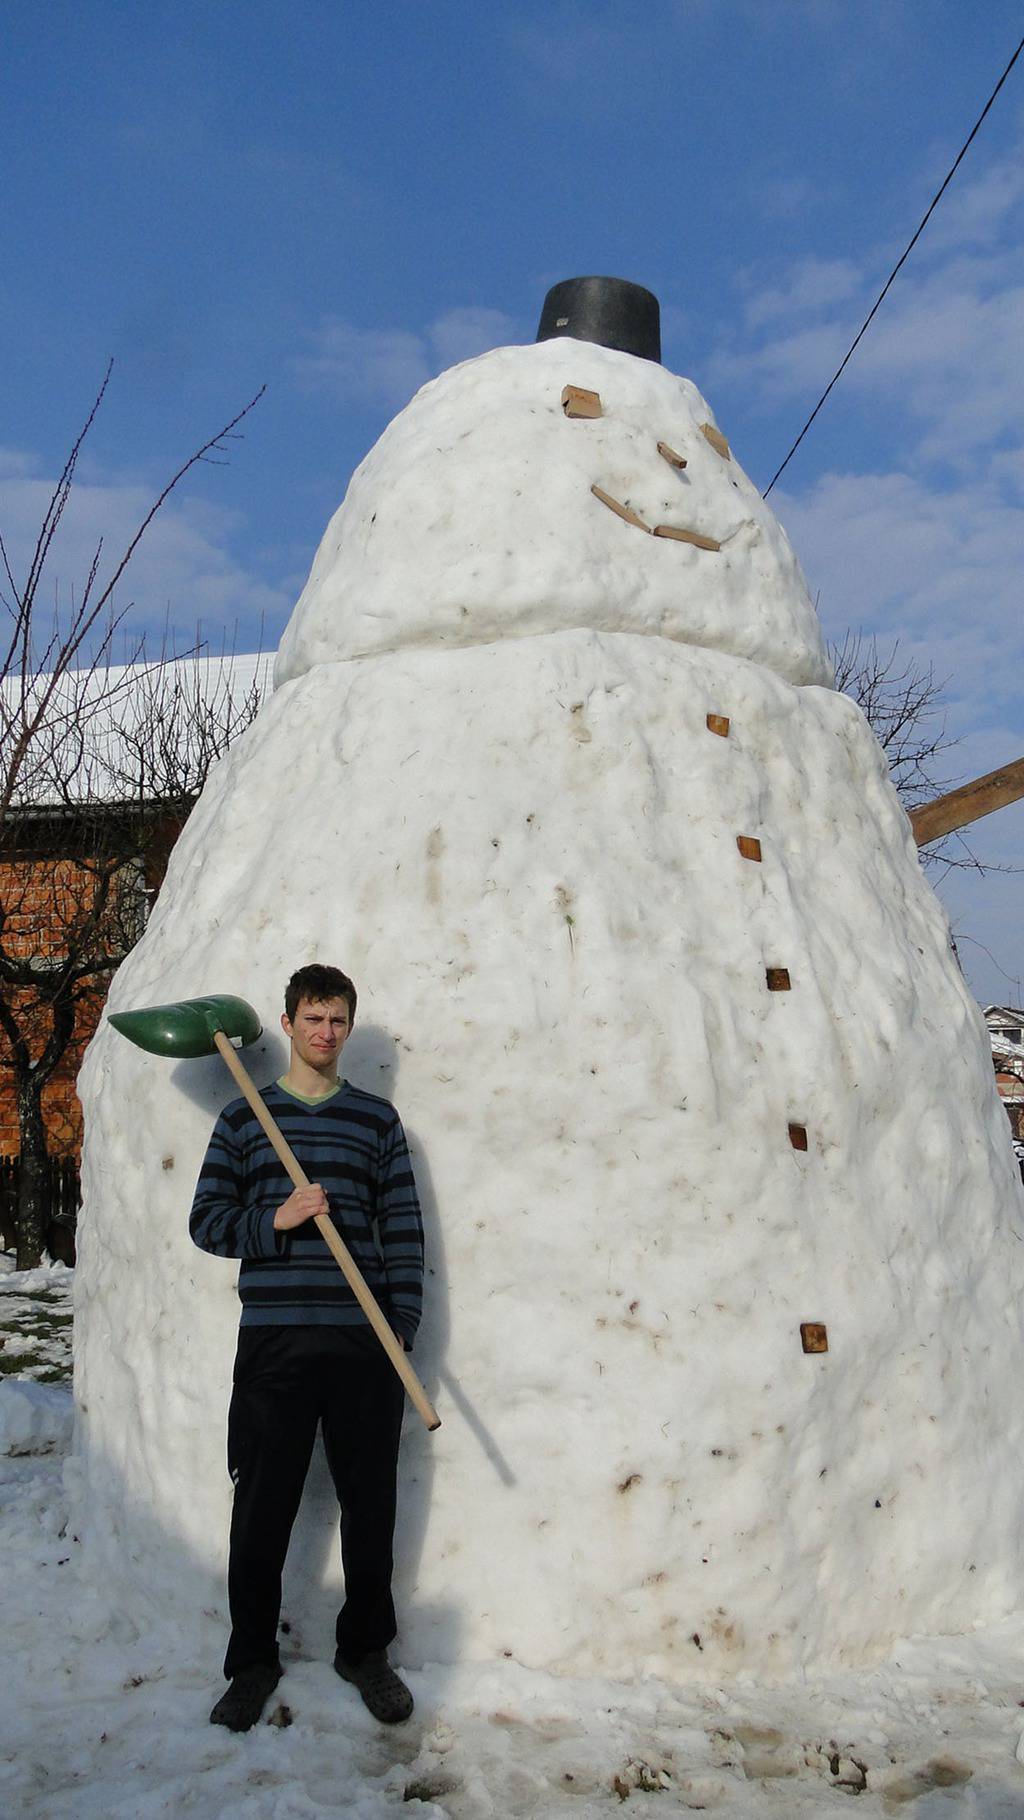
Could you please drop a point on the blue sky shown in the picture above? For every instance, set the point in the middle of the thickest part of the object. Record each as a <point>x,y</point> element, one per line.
<point>338,200</point>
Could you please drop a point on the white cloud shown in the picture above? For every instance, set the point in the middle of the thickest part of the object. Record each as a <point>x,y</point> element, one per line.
<point>941,359</point>
<point>598,57</point>
<point>977,212</point>
<point>951,352</point>
<point>389,365</point>
<point>785,196</point>
<point>943,352</point>
<point>183,573</point>
<point>788,365</point>
<point>937,568</point>
<point>384,364</point>
<point>806,285</point>
<point>923,546</point>
<point>15,462</point>
<point>460,334</point>
<point>581,57</point>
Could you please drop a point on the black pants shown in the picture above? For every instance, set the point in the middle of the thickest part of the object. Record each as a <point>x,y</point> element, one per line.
<point>287,1379</point>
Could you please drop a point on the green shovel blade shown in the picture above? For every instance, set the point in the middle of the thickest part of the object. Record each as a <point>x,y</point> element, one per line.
<point>187,1028</point>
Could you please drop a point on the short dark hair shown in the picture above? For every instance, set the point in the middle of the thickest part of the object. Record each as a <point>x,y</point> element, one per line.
<point>318,984</point>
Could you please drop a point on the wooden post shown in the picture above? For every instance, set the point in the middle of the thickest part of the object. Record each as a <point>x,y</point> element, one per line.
<point>969,803</point>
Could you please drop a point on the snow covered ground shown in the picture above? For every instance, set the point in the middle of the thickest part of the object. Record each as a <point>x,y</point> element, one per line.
<point>35,1321</point>
<point>104,1721</point>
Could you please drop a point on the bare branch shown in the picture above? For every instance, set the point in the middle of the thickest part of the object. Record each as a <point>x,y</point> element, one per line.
<point>903,706</point>
<point>29,678</point>
<point>214,442</point>
<point>99,768</point>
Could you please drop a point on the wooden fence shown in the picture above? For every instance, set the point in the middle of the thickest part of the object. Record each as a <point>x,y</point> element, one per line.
<point>65,1197</point>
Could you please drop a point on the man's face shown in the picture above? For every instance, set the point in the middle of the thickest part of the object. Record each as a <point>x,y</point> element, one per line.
<point>319,1032</point>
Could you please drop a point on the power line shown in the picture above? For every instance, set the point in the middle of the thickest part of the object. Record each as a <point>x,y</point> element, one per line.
<point>900,262</point>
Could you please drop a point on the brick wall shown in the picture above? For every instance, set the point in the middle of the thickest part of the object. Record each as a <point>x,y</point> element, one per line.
<point>61,1108</point>
<point>1011,1092</point>
<point>41,893</point>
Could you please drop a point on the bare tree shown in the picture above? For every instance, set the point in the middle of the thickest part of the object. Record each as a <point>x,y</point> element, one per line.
<point>903,706</point>
<point>902,703</point>
<point>99,769</point>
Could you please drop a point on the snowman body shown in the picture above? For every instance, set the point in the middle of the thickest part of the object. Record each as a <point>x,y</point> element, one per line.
<point>647,961</point>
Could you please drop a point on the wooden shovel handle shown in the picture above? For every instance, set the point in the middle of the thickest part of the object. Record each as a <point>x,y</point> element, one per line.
<point>342,1256</point>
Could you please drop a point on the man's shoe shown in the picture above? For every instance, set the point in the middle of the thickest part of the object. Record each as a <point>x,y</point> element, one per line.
<point>245,1699</point>
<point>388,1698</point>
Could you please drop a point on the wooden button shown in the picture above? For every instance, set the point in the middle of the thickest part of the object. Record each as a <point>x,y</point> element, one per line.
<point>716,439</point>
<point>578,402</point>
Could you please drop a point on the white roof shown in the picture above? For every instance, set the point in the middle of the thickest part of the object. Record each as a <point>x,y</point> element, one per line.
<point>113,734</point>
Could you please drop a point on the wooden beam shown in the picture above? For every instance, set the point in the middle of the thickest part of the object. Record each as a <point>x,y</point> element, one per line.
<point>968,804</point>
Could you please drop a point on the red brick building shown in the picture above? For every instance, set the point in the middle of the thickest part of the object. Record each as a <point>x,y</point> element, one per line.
<point>44,892</point>
<point>82,860</point>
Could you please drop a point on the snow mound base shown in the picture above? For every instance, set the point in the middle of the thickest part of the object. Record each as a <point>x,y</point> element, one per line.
<point>34,1418</point>
<point>670,1098</point>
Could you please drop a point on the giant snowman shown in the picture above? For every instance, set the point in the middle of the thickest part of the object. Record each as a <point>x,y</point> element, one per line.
<point>648,963</point>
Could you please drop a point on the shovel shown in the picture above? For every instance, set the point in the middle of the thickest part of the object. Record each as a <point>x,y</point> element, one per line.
<point>197,1026</point>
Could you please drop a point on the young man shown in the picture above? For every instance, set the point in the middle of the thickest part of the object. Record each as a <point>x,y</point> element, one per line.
<point>306,1353</point>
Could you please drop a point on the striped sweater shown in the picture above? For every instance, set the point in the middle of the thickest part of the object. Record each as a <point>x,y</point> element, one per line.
<point>353,1144</point>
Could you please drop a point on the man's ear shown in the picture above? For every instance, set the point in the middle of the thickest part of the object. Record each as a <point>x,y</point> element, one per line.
<point>285,1024</point>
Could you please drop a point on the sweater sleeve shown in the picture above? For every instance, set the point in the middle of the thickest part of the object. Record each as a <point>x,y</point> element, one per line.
<point>400,1231</point>
<point>221,1220</point>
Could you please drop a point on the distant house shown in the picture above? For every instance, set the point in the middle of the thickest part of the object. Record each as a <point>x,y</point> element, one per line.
<point>1006,1034</point>
<point>135,764</point>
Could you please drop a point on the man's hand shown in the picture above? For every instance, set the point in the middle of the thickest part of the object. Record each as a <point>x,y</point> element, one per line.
<point>302,1204</point>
